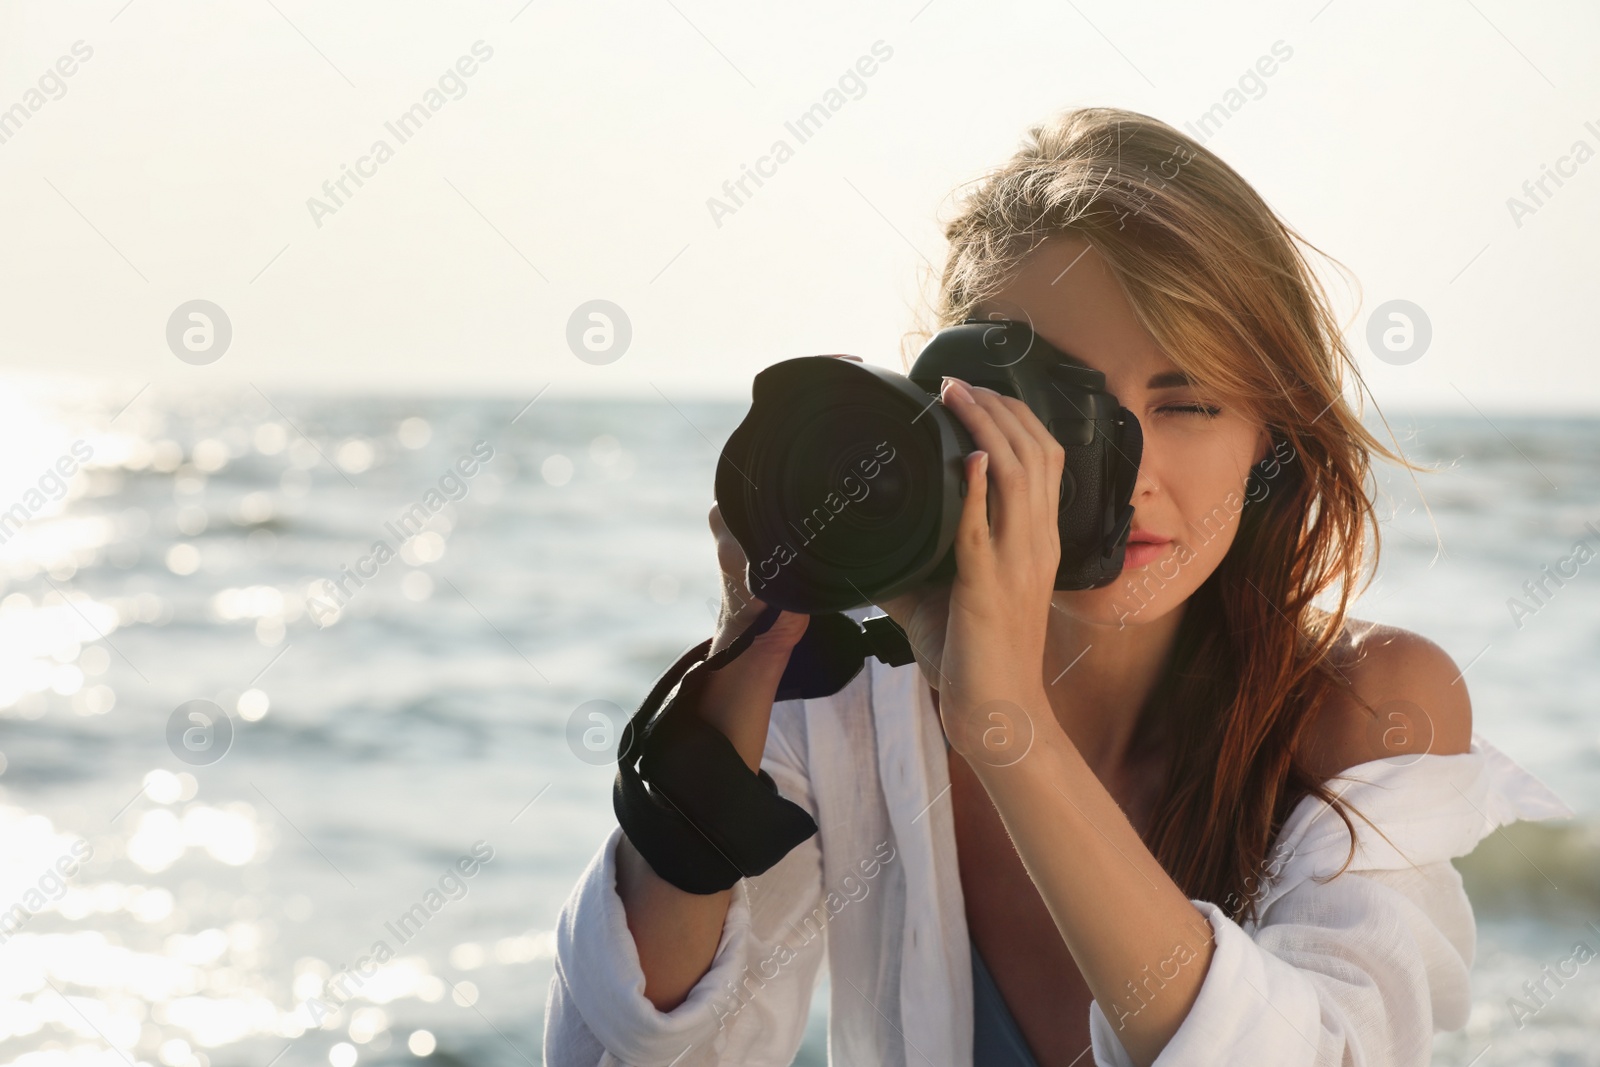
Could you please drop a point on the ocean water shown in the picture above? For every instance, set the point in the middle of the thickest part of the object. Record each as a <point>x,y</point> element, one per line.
<point>356,853</point>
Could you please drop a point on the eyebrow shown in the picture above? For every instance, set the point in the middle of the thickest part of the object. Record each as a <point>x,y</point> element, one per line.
<point>1172,379</point>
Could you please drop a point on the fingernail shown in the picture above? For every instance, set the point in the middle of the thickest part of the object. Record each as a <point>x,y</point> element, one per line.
<point>955,385</point>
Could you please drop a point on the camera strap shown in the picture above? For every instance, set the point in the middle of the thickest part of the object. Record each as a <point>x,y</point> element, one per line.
<point>685,797</point>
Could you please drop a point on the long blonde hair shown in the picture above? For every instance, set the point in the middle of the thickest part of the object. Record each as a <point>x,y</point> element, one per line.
<point>1222,285</point>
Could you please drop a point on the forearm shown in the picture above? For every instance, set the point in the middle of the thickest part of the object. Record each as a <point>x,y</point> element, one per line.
<point>676,932</point>
<point>1142,947</point>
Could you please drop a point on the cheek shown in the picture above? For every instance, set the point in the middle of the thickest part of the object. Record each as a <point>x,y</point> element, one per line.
<point>1202,468</point>
<point>1210,528</point>
<point>1201,474</point>
<point>1208,488</point>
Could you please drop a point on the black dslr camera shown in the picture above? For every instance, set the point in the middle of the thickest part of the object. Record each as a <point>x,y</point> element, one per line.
<point>844,482</point>
<point>844,486</point>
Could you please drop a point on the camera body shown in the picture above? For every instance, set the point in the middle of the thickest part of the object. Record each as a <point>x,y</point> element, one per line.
<point>1102,439</point>
<point>844,483</point>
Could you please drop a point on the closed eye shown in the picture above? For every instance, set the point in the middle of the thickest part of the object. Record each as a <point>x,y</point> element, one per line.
<point>1210,411</point>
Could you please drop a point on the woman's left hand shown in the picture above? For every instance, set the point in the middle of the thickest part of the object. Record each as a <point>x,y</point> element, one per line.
<point>1008,549</point>
<point>1113,904</point>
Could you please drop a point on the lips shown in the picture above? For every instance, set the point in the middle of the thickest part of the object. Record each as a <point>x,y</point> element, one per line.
<point>1144,548</point>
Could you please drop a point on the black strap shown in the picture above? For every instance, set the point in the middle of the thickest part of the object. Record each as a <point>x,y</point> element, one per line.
<point>685,797</point>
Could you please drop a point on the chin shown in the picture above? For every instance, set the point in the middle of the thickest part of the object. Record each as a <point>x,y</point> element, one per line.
<point>1115,605</point>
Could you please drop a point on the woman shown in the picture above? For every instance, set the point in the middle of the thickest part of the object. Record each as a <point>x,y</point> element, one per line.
<point>1186,818</point>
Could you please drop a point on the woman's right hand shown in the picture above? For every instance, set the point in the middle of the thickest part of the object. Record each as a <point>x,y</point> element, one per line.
<point>737,698</point>
<point>740,607</point>
<point>676,932</point>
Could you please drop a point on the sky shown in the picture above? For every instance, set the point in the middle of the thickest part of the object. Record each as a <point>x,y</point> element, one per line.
<point>574,150</point>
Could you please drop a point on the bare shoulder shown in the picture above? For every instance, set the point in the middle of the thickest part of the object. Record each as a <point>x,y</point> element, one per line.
<point>1405,696</point>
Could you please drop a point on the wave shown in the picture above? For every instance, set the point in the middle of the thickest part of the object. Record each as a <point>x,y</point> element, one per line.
<point>1535,868</point>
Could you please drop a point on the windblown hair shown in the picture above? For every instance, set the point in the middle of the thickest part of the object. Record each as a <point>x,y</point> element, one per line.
<point>1222,285</point>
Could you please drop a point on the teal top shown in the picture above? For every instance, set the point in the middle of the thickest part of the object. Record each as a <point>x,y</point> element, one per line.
<point>996,1039</point>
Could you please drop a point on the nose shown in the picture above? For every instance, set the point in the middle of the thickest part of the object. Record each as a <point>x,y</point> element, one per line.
<point>1144,485</point>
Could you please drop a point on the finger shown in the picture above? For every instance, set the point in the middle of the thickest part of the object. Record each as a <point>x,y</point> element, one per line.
<point>1013,417</point>
<point>974,547</point>
<point>1052,455</point>
<point>1005,411</point>
<point>1006,472</point>
<point>986,435</point>
<point>1031,422</point>
<point>1042,458</point>
<point>1020,496</point>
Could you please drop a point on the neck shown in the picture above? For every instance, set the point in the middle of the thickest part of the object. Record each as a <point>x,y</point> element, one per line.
<point>1098,677</point>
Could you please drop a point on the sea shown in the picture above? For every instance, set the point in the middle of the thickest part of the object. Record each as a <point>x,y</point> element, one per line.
<point>288,677</point>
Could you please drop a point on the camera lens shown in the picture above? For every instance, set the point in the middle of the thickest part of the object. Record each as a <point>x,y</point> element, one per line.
<point>844,484</point>
<point>839,482</point>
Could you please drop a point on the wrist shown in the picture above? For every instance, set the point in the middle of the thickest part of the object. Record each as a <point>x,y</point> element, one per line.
<point>999,731</point>
<point>1048,767</point>
<point>737,701</point>
<point>776,641</point>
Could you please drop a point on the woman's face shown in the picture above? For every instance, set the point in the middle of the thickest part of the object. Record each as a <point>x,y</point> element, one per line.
<point>1198,446</point>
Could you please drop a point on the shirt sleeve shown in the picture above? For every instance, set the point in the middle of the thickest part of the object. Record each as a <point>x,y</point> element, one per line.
<point>1361,969</point>
<point>751,1007</point>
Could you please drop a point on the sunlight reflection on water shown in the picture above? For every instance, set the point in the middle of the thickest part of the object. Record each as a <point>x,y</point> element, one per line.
<point>391,716</point>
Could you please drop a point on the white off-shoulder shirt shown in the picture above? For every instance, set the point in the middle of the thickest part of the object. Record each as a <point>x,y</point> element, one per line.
<point>1362,968</point>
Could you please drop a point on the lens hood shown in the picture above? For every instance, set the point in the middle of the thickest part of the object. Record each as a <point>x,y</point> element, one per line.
<point>843,484</point>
